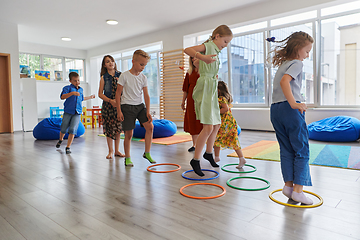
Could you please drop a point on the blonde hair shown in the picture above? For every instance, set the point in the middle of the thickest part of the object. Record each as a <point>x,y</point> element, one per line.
<point>222,30</point>
<point>141,53</point>
<point>191,65</point>
<point>103,68</point>
<point>223,91</point>
<point>290,47</point>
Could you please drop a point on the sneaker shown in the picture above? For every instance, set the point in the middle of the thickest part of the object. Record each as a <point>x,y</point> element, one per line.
<point>128,162</point>
<point>192,149</point>
<point>67,150</point>
<point>58,143</point>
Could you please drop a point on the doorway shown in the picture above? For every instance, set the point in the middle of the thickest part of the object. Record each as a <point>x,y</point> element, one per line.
<point>6,123</point>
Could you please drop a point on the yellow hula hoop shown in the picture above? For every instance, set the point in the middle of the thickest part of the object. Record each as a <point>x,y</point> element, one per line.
<point>297,206</point>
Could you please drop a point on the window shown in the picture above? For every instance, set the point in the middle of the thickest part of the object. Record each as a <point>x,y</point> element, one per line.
<point>54,65</point>
<point>151,72</point>
<point>74,65</point>
<point>33,61</point>
<point>339,82</point>
<point>247,69</point>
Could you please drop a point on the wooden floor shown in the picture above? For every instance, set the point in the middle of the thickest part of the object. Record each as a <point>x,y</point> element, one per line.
<point>46,194</point>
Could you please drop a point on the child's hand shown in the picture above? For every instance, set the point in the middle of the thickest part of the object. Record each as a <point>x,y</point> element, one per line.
<point>183,105</point>
<point>120,116</point>
<point>92,96</point>
<point>208,58</point>
<point>149,117</point>
<point>76,93</point>
<point>301,106</point>
<point>113,102</point>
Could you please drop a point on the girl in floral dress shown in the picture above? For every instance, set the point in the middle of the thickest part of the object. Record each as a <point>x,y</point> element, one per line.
<point>227,136</point>
<point>107,90</point>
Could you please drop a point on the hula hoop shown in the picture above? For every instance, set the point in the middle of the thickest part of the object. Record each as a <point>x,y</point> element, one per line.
<point>201,179</point>
<point>211,197</point>
<point>159,164</point>
<point>297,206</point>
<point>250,171</point>
<point>248,189</point>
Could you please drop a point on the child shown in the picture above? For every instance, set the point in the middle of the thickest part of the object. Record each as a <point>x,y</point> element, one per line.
<point>107,90</point>
<point>287,114</point>
<point>132,84</point>
<point>191,125</point>
<point>73,94</point>
<point>227,135</point>
<point>205,93</point>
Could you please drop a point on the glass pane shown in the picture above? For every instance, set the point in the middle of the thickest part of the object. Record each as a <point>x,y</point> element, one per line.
<point>75,65</point>
<point>307,89</point>
<point>293,18</point>
<point>54,65</point>
<point>340,8</point>
<point>223,74</point>
<point>247,69</point>
<point>339,61</point>
<point>126,64</point>
<point>151,72</point>
<point>33,61</point>
<point>250,27</point>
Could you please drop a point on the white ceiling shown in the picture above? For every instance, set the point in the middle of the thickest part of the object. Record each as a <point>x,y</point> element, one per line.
<point>46,21</point>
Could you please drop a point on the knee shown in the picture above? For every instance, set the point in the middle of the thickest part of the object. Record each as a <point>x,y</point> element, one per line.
<point>149,127</point>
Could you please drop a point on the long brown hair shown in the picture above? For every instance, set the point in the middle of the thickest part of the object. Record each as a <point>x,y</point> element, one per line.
<point>290,47</point>
<point>223,91</point>
<point>103,68</point>
<point>191,65</point>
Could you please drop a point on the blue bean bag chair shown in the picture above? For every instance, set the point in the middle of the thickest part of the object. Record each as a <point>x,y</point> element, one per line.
<point>162,128</point>
<point>49,129</point>
<point>335,129</point>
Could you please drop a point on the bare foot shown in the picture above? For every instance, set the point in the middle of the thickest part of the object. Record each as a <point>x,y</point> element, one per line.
<point>109,156</point>
<point>217,159</point>
<point>242,162</point>
<point>119,154</point>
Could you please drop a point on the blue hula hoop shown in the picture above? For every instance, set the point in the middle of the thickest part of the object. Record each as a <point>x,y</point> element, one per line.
<point>200,179</point>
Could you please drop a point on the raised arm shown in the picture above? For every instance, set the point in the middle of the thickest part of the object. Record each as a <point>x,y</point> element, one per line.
<point>195,52</point>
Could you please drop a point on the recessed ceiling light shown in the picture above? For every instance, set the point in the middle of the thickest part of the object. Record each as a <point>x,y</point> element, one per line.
<point>67,39</point>
<point>111,22</point>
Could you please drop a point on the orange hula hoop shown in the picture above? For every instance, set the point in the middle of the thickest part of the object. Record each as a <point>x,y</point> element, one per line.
<point>211,197</point>
<point>159,164</point>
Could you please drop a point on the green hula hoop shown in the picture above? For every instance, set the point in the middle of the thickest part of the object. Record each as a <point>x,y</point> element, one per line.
<point>248,189</point>
<point>248,165</point>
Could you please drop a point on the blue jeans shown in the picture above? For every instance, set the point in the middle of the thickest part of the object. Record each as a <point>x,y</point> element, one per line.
<point>293,137</point>
<point>70,123</point>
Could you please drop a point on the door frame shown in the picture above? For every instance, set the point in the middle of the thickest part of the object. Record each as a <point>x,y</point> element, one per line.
<point>8,90</point>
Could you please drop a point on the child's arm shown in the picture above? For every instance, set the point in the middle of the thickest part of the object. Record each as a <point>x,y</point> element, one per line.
<point>183,100</point>
<point>224,108</point>
<point>67,95</point>
<point>89,97</point>
<point>147,103</point>
<point>102,95</point>
<point>119,90</point>
<point>285,86</point>
<point>195,53</point>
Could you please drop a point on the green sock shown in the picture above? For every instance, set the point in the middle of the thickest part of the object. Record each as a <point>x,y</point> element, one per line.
<point>128,162</point>
<point>148,157</point>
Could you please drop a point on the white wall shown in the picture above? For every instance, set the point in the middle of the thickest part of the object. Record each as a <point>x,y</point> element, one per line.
<point>9,44</point>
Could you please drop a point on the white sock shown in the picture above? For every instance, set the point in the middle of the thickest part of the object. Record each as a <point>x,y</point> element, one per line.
<point>242,162</point>
<point>287,191</point>
<point>300,197</point>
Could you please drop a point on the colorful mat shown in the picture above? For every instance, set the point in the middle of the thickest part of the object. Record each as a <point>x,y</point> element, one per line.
<point>320,154</point>
<point>178,137</point>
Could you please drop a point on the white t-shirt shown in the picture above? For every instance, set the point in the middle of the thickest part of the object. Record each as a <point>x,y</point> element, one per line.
<point>132,88</point>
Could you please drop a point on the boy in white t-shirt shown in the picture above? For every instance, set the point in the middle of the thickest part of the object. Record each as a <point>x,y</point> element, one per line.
<point>132,85</point>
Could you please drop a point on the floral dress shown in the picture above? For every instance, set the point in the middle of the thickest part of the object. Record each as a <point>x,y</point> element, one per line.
<point>227,137</point>
<point>111,125</point>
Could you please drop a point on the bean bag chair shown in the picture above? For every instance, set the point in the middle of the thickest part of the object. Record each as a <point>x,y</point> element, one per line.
<point>49,129</point>
<point>335,129</point>
<point>162,128</point>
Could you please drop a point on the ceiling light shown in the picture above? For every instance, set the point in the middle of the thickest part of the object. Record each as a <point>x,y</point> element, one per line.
<point>111,22</point>
<point>67,39</point>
